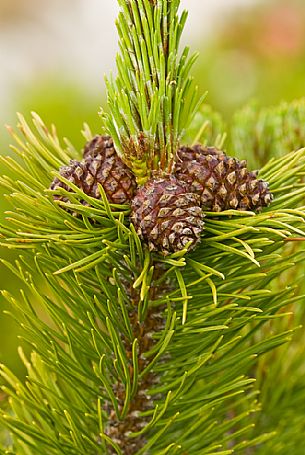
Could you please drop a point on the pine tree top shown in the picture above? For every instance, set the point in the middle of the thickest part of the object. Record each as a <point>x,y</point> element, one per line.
<point>132,352</point>
<point>153,98</point>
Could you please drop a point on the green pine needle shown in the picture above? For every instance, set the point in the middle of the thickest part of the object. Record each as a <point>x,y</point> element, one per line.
<point>153,98</point>
<point>221,299</point>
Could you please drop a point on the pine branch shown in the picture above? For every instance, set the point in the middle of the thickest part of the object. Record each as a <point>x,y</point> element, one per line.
<point>96,283</point>
<point>153,98</point>
<point>282,411</point>
<point>137,352</point>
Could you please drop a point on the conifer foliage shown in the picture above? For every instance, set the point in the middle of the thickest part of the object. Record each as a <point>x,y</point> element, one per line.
<point>153,98</point>
<point>132,351</point>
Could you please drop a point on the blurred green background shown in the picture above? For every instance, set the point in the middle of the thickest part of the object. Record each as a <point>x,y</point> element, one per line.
<point>248,50</point>
<point>256,52</point>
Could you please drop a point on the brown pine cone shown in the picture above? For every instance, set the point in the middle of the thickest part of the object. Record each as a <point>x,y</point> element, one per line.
<point>222,182</point>
<point>101,165</point>
<point>167,215</point>
<point>74,172</point>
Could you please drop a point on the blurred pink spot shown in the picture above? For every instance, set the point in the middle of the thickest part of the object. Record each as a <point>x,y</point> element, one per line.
<point>282,32</point>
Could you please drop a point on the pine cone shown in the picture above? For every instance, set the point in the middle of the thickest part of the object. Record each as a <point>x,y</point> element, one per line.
<point>74,172</point>
<point>101,165</point>
<point>222,182</point>
<point>167,215</point>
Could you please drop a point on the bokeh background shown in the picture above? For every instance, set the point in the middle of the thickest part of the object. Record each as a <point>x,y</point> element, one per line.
<point>53,56</point>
